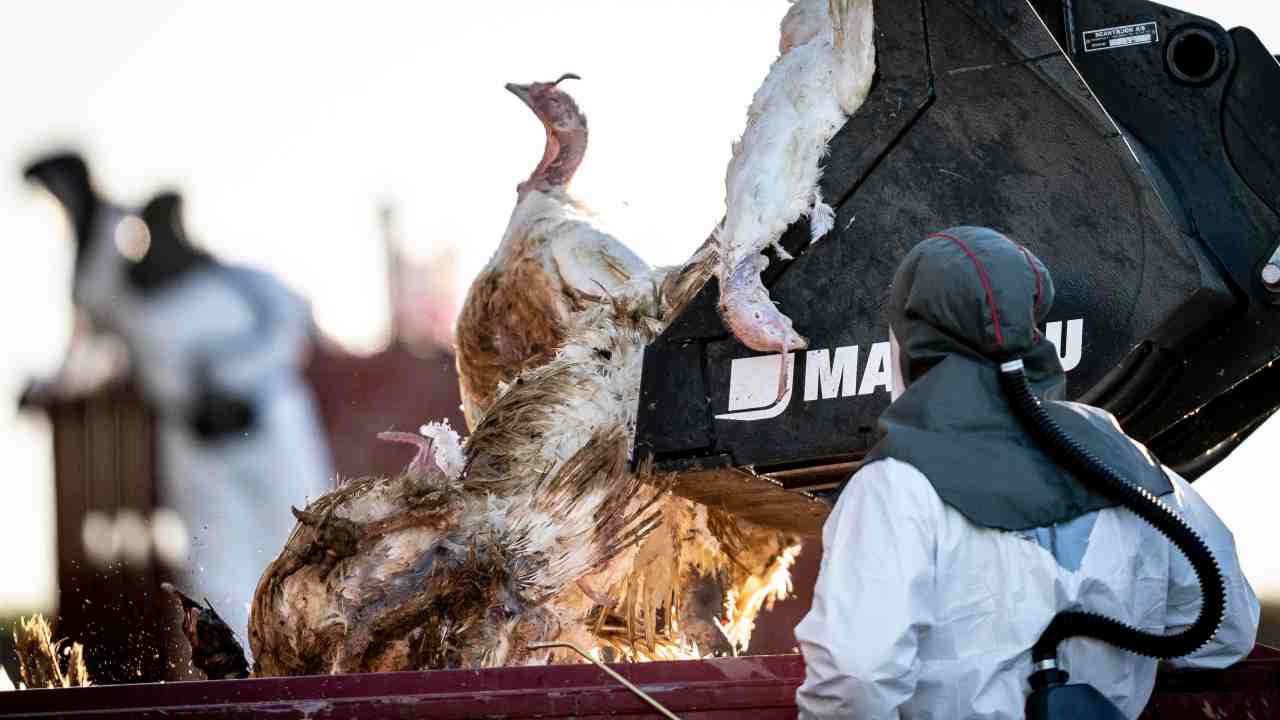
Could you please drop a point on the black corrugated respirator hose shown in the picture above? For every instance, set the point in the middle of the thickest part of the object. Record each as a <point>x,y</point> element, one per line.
<point>1104,479</point>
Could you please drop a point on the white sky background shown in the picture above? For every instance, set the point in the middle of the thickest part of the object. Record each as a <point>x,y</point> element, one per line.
<point>285,124</point>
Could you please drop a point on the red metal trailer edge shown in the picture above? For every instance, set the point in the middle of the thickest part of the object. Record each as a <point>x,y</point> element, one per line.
<point>749,687</point>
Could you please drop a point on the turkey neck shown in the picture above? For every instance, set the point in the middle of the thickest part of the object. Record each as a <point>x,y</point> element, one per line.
<point>549,183</point>
<point>561,157</point>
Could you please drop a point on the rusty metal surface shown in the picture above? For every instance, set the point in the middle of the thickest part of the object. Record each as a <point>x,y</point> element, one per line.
<point>752,497</point>
<point>1248,691</point>
<point>756,687</point>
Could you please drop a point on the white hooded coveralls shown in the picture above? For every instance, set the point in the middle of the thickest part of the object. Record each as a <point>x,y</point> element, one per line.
<point>919,613</point>
<point>233,494</point>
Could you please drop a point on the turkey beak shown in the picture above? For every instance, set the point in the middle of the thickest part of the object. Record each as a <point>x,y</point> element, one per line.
<point>520,91</point>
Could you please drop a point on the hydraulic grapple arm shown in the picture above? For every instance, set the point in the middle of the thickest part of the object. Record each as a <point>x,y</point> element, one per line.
<point>1135,148</point>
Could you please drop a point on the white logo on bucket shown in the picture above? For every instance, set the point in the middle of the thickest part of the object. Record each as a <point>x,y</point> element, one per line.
<point>753,381</point>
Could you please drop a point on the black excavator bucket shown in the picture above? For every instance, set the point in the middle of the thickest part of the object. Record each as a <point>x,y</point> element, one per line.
<point>1134,147</point>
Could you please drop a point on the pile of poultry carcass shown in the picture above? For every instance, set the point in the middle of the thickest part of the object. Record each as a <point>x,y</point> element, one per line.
<point>536,528</point>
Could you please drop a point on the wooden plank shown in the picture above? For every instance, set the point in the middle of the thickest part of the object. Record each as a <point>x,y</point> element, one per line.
<point>104,461</point>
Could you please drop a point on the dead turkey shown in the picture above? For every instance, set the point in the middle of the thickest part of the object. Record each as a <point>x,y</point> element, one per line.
<point>823,74</point>
<point>538,530</point>
<point>553,258</point>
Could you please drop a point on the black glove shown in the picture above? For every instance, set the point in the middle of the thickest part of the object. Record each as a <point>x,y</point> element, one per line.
<point>218,413</point>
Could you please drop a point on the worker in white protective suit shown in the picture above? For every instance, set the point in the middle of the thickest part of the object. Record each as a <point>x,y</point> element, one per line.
<point>217,351</point>
<point>958,540</point>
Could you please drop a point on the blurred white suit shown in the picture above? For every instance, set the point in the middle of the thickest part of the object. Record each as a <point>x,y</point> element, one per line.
<point>250,334</point>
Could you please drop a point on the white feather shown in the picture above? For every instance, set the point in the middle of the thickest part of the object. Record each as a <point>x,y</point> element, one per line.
<point>446,446</point>
<point>574,244</point>
<point>821,219</point>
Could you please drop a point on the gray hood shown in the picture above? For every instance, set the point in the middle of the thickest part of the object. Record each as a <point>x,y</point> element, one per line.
<point>963,301</point>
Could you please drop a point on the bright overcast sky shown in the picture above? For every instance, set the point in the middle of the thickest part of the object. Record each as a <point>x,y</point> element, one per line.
<point>285,124</point>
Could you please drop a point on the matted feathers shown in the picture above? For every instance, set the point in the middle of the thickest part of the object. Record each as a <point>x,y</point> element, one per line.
<point>546,533</point>
<point>537,528</point>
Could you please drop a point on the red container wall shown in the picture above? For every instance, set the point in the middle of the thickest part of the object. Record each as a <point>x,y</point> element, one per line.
<point>725,689</point>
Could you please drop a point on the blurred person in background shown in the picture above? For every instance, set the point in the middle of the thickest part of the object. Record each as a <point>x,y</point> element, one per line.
<point>216,351</point>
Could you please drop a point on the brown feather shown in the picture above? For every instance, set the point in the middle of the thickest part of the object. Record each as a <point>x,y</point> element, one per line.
<point>38,663</point>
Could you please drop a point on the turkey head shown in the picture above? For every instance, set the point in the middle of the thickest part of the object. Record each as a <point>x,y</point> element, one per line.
<point>566,128</point>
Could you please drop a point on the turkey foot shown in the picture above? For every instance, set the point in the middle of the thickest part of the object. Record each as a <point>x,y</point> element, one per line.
<point>752,317</point>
